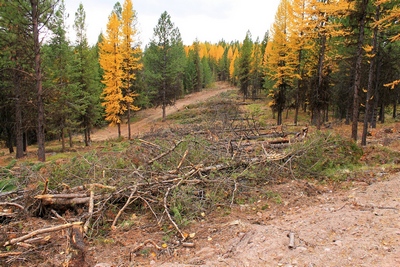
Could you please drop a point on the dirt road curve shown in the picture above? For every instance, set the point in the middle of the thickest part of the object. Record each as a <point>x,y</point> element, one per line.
<point>150,116</point>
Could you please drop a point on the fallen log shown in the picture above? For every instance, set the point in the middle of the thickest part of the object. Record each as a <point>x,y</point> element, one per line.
<point>66,199</point>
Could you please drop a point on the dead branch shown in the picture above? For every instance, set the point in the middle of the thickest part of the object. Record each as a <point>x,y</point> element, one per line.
<point>48,196</point>
<point>66,201</point>
<point>165,153</point>
<point>9,254</point>
<point>58,216</point>
<point>7,214</point>
<point>167,210</point>
<point>149,143</point>
<point>91,207</point>
<point>238,147</point>
<point>233,193</point>
<point>12,204</point>
<point>148,205</point>
<point>128,202</point>
<point>141,245</point>
<point>40,231</point>
<point>291,240</point>
<point>87,186</point>
<point>183,158</point>
<point>45,189</point>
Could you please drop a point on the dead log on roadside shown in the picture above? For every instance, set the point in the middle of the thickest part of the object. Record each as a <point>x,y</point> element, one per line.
<point>65,199</point>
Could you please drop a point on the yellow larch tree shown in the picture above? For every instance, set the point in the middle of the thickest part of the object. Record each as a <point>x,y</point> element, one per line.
<point>280,68</point>
<point>110,58</point>
<point>233,54</point>
<point>130,61</point>
<point>299,42</point>
<point>391,18</point>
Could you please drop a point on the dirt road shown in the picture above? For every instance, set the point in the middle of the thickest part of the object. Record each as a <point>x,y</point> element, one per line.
<point>150,117</point>
<point>360,227</point>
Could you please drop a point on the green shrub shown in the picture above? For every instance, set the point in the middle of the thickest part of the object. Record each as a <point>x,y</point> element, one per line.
<point>322,154</point>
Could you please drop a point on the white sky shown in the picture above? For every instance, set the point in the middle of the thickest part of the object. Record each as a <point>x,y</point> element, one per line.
<point>206,20</point>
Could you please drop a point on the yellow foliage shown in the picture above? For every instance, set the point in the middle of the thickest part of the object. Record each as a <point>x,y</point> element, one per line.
<point>119,60</point>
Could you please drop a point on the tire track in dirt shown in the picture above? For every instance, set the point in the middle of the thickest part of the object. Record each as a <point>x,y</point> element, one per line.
<point>150,118</point>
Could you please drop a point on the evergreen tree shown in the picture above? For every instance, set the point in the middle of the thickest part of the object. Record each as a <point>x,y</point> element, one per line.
<point>256,69</point>
<point>244,67</point>
<point>164,63</point>
<point>86,75</point>
<point>58,69</point>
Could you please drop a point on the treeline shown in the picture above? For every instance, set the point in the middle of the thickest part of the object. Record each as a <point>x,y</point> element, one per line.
<point>335,55</point>
<point>322,56</point>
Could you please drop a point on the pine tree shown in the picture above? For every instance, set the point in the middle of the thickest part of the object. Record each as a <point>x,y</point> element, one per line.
<point>164,61</point>
<point>58,63</point>
<point>244,66</point>
<point>256,69</point>
<point>86,75</point>
<point>17,54</point>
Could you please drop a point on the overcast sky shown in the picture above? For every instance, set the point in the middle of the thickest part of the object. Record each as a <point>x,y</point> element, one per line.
<point>206,20</point>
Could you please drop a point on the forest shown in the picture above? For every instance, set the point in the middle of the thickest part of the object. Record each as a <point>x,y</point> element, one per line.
<point>336,59</point>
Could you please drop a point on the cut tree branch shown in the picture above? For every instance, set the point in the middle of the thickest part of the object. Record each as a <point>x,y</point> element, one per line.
<point>40,231</point>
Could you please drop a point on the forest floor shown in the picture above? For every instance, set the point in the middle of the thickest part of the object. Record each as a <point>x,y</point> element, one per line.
<point>353,223</point>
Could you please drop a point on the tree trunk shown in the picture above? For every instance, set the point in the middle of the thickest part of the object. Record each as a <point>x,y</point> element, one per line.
<point>9,140</point>
<point>371,80</point>
<point>71,144</point>
<point>62,139</point>
<point>316,105</point>
<point>382,113</point>
<point>38,75</point>
<point>18,118</point>
<point>394,114</point>
<point>119,129</point>
<point>357,74</point>
<point>163,112</point>
<point>129,123</point>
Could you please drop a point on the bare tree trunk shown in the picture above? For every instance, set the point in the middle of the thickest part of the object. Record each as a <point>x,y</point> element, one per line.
<point>38,76</point>
<point>163,112</point>
<point>371,80</point>
<point>357,75</point>
<point>18,117</point>
<point>129,123</point>
<point>71,143</point>
<point>62,140</point>
<point>119,129</point>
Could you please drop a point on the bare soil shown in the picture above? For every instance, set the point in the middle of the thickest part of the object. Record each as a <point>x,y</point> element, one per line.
<point>354,223</point>
<point>357,226</point>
